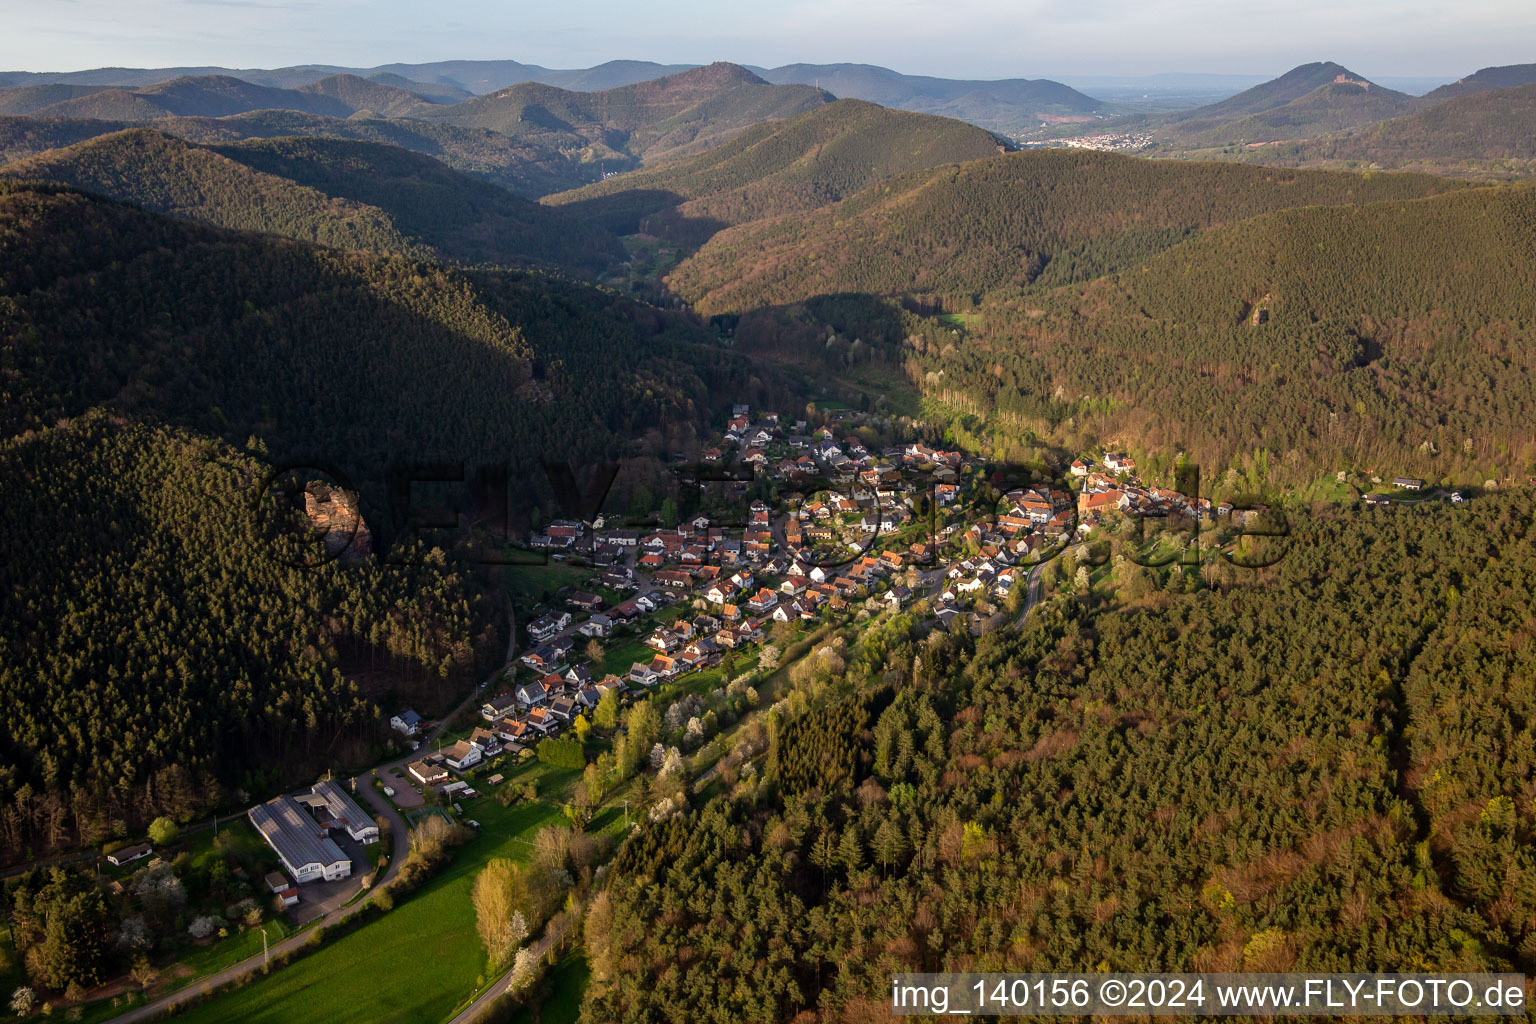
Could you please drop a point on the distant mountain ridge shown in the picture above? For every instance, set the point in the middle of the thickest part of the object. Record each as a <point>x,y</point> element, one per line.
<point>674,115</point>
<point>1277,92</point>
<point>1506,77</point>
<point>345,194</point>
<point>1309,100</point>
<point>212,96</point>
<point>533,138</point>
<point>1004,105</point>
<point>802,163</point>
<point>524,167</point>
<point>1484,135</point>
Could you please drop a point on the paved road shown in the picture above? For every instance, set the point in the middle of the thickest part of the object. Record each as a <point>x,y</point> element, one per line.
<point>498,988</point>
<point>401,846</point>
<point>1031,593</point>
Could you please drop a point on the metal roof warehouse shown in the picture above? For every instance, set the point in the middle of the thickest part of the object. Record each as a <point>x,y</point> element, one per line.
<point>300,842</point>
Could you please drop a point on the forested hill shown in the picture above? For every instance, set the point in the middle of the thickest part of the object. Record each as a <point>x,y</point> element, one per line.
<point>215,96</point>
<point>1506,77</point>
<point>1482,134</point>
<point>678,114</point>
<point>534,139</point>
<point>1041,217</point>
<point>1462,258</point>
<point>369,96</point>
<point>1391,338</point>
<point>350,195</point>
<point>1291,86</point>
<point>1002,105</point>
<point>202,96</point>
<point>521,166</point>
<point>1331,107</point>
<point>155,369</point>
<point>779,167</point>
<point>161,653</point>
<point>370,358</point>
<point>1328,772</point>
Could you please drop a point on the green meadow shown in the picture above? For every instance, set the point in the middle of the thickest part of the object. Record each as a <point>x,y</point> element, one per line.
<point>413,965</point>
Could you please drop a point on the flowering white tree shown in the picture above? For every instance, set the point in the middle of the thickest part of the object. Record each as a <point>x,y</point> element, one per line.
<point>523,967</point>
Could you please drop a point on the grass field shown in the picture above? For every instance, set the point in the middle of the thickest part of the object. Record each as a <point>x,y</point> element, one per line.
<point>528,584</point>
<point>412,966</point>
<point>567,982</point>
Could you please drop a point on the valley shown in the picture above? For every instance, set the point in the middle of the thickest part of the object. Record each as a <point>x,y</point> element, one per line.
<point>733,534</point>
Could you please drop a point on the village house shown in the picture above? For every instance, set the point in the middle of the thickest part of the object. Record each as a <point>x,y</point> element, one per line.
<point>462,756</point>
<point>585,602</point>
<point>428,774</point>
<point>407,722</point>
<point>529,694</point>
<point>548,624</point>
<point>128,854</point>
<point>563,709</point>
<point>498,706</point>
<point>510,731</point>
<point>488,742</point>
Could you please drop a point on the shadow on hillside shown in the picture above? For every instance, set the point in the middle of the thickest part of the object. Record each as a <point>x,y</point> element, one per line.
<point>652,211</point>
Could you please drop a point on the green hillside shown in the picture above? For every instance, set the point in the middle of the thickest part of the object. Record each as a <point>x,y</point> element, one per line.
<point>780,167</point>
<point>1484,134</point>
<point>197,96</point>
<point>138,349</point>
<point>363,95</point>
<point>161,649</point>
<point>357,354</point>
<point>1388,338</point>
<point>351,195</point>
<point>520,166</point>
<point>1460,258</point>
<point>666,116</point>
<point>1331,107</point>
<point>1328,771</point>
<point>1041,218</point>
<point>1289,87</point>
<point>1507,77</point>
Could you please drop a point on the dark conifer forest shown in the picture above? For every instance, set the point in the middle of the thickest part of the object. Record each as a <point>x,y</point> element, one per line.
<point>1321,771</point>
<point>762,796</point>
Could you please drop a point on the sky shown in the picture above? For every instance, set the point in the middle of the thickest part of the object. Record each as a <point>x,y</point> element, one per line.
<point>948,38</point>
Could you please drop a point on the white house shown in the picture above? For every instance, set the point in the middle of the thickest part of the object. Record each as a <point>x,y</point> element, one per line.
<point>428,774</point>
<point>129,854</point>
<point>407,722</point>
<point>462,756</point>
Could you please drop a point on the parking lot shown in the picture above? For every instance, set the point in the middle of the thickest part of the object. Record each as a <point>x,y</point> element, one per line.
<point>319,898</point>
<point>404,786</point>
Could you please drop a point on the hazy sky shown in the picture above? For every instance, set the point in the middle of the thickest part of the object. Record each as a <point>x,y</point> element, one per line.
<point>952,38</point>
